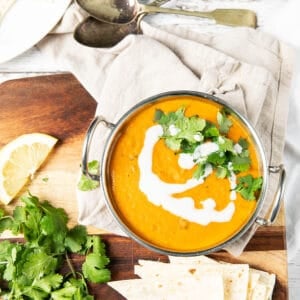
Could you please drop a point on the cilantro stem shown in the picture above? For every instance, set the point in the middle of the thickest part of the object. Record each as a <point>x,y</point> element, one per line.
<point>96,244</point>
<point>70,266</point>
<point>83,281</point>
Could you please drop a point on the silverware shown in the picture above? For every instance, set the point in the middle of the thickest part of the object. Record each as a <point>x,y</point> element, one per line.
<point>125,11</point>
<point>94,33</point>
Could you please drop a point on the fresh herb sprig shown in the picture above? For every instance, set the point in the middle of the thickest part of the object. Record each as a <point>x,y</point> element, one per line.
<point>31,269</point>
<point>184,134</point>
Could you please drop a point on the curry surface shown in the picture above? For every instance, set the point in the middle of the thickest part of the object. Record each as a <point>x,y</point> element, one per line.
<point>153,223</point>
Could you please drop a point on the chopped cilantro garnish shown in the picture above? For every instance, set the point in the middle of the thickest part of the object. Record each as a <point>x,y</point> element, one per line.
<point>186,147</point>
<point>243,143</point>
<point>221,172</point>
<point>87,184</point>
<point>240,164</point>
<point>173,143</point>
<point>216,158</point>
<point>179,129</point>
<point>185,134</point>
<point>199,171</point>
<point>93,167</point>
<point>31,269</point>
<point>210,130</point>
<point>225,144</point>
<point>223,121</point>
<point>248,186</point>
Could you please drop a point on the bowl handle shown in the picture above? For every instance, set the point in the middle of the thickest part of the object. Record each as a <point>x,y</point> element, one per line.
<point>87,143</point>
<point>278,196</point>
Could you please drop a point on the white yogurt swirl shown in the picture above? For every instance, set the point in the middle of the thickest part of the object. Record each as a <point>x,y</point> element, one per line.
<point>160,193</point>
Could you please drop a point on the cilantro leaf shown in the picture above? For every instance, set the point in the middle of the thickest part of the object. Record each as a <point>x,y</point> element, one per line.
<point>221,172</point>
<point>6,223</point>
<point>48,283</point>
<point>34,293</point>
<point>248,186</point>
<point>64,293</point>
<point>39,265</point>
<point>243,143</point>
<point>93,271</point>
<point>93,167</point>
<point>87,184</point>
<point>76,239</point>
<point>73,289</point>
<point>225,144</point>
<point>211,131</point>
<point>199,171</point>
<point>94,242</point>
<point>5,249</point>
<point>54,221</point>
<point>224,122</point>
<point>94,267</point>
<point>159,116</point>
<point>186,147</point>
<point>240,164</point>
<point>216,158</point>
<point>173,143</point>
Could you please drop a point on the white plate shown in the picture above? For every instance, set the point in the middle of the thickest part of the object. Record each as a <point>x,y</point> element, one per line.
<point>26,23</point>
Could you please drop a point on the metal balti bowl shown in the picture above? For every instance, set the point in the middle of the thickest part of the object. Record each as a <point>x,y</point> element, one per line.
<point>116,131</point>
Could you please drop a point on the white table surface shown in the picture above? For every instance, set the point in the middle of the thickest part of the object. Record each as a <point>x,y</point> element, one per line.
<point>33,63</point>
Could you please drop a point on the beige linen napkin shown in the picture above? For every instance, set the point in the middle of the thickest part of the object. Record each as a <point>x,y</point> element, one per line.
<point>247,68</point>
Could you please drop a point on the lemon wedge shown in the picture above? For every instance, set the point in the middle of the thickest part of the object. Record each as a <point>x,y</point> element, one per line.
<point>20,159</point>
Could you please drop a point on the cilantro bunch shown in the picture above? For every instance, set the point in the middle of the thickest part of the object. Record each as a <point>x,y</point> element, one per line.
<point>184,134</point>
<point>31,269</point>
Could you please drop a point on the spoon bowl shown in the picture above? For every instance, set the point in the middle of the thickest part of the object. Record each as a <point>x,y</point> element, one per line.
<point>111,11</point>
<point>94,33</point>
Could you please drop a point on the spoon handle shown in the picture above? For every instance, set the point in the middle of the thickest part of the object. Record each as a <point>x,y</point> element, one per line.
<point>233,17</point>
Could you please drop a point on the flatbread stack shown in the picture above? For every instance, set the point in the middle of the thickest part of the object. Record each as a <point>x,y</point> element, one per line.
<point>196,278</point>
<point>5,5</point>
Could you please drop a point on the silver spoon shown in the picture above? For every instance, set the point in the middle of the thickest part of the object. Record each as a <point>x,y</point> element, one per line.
<point>125,11</point>
<point>94,33</point>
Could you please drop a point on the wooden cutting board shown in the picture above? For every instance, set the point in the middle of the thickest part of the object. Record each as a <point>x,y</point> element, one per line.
<point>58,105</point>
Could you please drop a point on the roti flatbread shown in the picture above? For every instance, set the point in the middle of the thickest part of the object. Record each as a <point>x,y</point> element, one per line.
<point>202,259</point>
<point>179,288</point>
<point>260,286</point>
<point>189,278</point>
<point>267,280</point>
<point>235,276</point>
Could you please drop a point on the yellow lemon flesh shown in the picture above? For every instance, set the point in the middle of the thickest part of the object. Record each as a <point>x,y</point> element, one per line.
<point>20,159</point>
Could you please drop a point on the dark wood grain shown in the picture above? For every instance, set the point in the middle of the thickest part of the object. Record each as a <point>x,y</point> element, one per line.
<point>59,100</point>
<point>60,106</point>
